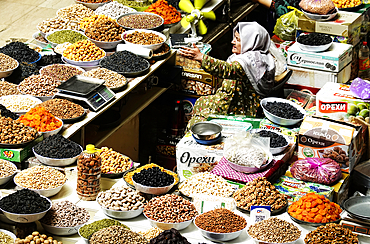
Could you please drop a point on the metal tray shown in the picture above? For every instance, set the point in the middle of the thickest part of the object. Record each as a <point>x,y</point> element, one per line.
<point>80,85</point>
<point>358,207</point>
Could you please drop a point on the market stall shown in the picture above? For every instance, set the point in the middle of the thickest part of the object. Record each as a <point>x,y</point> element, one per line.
<point>282,178</point>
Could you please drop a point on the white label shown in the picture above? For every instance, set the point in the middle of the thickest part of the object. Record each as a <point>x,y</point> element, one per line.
<point>210,205</point>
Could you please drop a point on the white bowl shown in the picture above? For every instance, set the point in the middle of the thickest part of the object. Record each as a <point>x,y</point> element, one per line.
<point>26,218</point>
<point>61,231</point>
<point>4,180</point>
<point>53,44</point>
<point>122,214</point>
<point>56,161</point>
<point>6,73</point>
<point>34,99</point>
<point>151,47</point>
<point>40,43</point>
<point>312,48</point>
<point>92,6</point>
<point>11,234</point>
<point>168,226</point>
<point>74,66</point>
<point>279,120</point>
<point>274,150</point>
<point>84,64</point>
<point>105,45</point>
<point>153,190</point>
<point>53,132</point>
<point>320,17</point>
<point>214,236</point>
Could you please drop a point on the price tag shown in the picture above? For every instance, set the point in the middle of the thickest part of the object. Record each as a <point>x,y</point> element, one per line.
<point>259,213</point>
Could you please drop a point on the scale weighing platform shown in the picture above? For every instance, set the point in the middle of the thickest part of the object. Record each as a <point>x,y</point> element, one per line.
<point>86,90</point>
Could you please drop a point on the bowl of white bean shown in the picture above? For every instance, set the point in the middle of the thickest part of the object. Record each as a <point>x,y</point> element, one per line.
<point>19,104</point>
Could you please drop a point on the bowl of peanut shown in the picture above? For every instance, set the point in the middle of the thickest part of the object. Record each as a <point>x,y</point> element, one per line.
<point>144,38</point>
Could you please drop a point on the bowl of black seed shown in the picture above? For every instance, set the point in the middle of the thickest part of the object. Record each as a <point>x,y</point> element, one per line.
<point>153,181</point>
<point>278,141</point>
<point>56,150</point>
<point>282,111</point>
<point>24,206</point>
<point>314,42</point>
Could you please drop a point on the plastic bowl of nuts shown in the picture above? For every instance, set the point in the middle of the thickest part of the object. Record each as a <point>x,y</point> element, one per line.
<point>26,218</point>
<point>56,161</point>
<point>167,225</point>
<point>93,5</point>
<point>144,38</point>
<point>7,171</point>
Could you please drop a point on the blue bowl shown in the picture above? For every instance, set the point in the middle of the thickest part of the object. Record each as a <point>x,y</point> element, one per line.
<point>36,60</point>
<point>208,142</point>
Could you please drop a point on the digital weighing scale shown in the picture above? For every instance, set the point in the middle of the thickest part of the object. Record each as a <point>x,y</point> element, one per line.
<point>87,90</point>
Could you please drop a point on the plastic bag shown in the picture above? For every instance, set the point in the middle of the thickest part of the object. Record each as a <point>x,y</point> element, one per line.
<point>361,88</point>
<point>317,6</point>
<point>246,150</point>
<point>280,60</point>
<point>287,24</point>
<point>319,170</point>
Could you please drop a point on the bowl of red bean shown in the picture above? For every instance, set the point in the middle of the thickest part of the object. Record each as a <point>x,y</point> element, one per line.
<point>144,38</point>
<point>141,20</point>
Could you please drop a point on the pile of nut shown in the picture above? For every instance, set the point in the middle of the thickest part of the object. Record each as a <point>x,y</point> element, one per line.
<point>259,192</point>
<point>83,51</point>
<point>75,12</point>
<point>15,132</point>
<point>274,230</point>
<point>151,233</point>
<point>5,238</point>
<point>206,183</point>
<point>18,103</point>
<point>7,88</point>
<point>65,214</point>
<point>170,208</point>
<point>39,85</point>
<point>143,38</point>
<point>114,9</point>
<point>40,178</point>
<point>104,29</point>
<point>53,24</point>
<point>7,63</point>
<point>60,72</point>
<point>121,198</point>
<point>6,168</point>
<point>331,233</point>
<point>112,79</point>
<point>113,162</point>
<point>117,234</point>
<point>337,154</point>
<point>62,108</point>
<point>36,237</point>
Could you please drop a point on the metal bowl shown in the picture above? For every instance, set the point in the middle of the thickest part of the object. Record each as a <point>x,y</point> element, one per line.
<point>44,192</point>
<point>157,28</point>
<point>153,190</point>
<point>206,130</point>
<point>53,132</point>
<point>302,222</point>
<point>11,234</point>
<point>56,161</point>
<point>21,97</point>
<point>7,73</point>
<point>92,6</point>
<point>279,120</point>
<point>320,17</point>
<point>151,47</point>
<point>26,218</point>
<point>122,214</point>
<point>61,231</point>
<point>4,180</point>
<point>84,64</point>
<point>168,226</point>
<point>274,150</point>
<point>214,236</point>
<point>59,68</point>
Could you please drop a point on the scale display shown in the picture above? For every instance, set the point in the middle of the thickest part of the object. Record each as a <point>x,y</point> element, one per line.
<point>94,94</point>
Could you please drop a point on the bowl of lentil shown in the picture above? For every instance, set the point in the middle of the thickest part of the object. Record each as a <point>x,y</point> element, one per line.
<point>19,104</point>
<point>7,171</point>
<point>61,36</point>
<point>149,39</point>
<point>93,4</point>
<point>7,237</point>
<point>141,20</point>
<point>44,180</point>
<point>7,65</point>
<point>220,224</point>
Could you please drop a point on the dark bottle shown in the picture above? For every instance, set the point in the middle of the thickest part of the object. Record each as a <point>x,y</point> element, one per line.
<point>177,123</point>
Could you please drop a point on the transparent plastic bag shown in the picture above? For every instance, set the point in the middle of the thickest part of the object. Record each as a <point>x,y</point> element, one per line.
<point>287,24</point>
<point>317,6</point>
<point>319,170</point>
<point>280,60</point>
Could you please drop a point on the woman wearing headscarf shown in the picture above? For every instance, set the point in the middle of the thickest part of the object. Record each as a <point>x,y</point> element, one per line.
<point>248,74</point>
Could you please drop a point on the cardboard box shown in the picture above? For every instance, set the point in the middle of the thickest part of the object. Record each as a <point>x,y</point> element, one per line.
<point>196,83</point>
<point>19,154</point>
<point>336,101</point>
<point>345,24</point>
<point>338,56</point>
<point>326,138</point>
<point>317,78</point>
